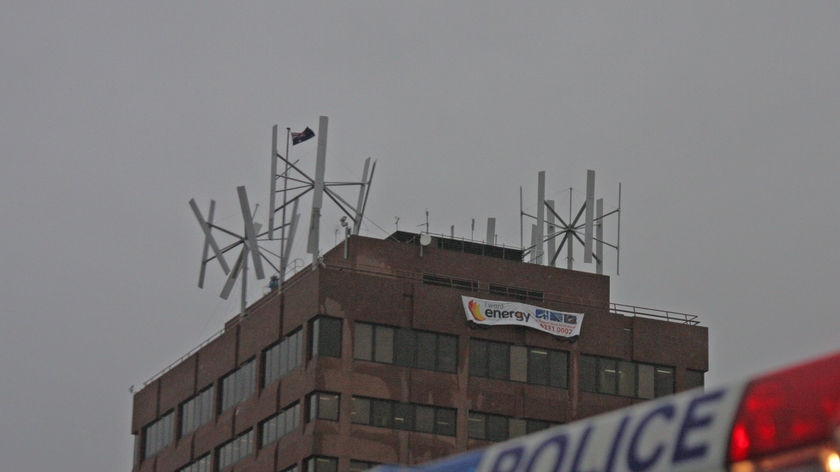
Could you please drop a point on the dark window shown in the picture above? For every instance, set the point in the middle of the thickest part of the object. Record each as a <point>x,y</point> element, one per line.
<point>478,358</point>
<point>404,416</point>
<point>538,370</point>
<point>497,428</point>
<point>461,284</point>
<point>281,358</point>
<point>361,410</point>
<point>380,413</point>
<point>445,421</point>
<point>405,341</point>
<point>477,425</point>
<point>447,353</point>
<point>558,365</point>
<point>626,378</point>
<point>498,362</point>
<point>383,344</point>
<point>424,419</point>
<point>238,385</point>
<point>363,341</point>
<point>517,293</point>
<point>533,426</point>
<point>517,427</point>
<point>197,411</point>
<point>233,451</point>
<point>645,380</point>
<point>326,337</point>
<point>693,378</point>
<point>360,466</point>
<point>320,464</point>
<point>663,381</point>
<point>405,347</point>
<point>323,406</point>
<point>158,434</point>
<point>202,464</point>
<point>280,425</point>
<point>426,350</point>
<point>607,375</point>
<point>588,378</point>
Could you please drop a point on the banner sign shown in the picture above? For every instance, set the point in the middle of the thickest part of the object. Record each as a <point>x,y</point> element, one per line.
<point>489,312</point>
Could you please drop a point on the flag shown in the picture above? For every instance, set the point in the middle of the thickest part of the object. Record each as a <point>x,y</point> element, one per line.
<point>298,138</point>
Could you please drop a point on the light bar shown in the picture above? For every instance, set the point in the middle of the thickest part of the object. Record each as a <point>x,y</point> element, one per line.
<point>786,410</point>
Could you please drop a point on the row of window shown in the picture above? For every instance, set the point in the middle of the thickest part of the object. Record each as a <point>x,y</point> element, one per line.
<point>404,416</point>
<point>405,347</point>
<point>414,349</point>
<point>278,360</point>
<point>385,413</point>
<point>532,365</point>
<point>625,378</point>
<point>497,428</point>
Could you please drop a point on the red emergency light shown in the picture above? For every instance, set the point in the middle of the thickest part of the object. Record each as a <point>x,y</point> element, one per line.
<point>788,410</point>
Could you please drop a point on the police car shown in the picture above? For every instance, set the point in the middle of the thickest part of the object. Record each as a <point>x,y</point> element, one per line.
<point>783,421</point>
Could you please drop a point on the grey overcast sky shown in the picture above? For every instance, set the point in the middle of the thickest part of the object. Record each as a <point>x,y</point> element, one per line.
<point>720,119</point>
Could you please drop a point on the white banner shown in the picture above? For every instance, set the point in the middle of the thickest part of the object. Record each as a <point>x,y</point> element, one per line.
<point>490,312</point>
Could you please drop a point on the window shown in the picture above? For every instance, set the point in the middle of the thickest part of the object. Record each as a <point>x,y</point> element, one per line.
<point>517,293</point>
<point>494,428</point>
<point>320,464</point>
<point>233,451</point>
<point>158,434</point>
<point>326,337</point>
<point>461,284</point>
<point>405,347</point>
<point>282,358</point>
<point>238,385</point>
<point>404,416</point>
<point>693,378</point>
<point>625,378</point>
<point>280,425</point>
<point>323,406</point>
<point>360,466</point>
<point>663,381</point>
<point>519,363</point>
<point>361,411</point>
<point>202,464</point>
<point>197,411</point>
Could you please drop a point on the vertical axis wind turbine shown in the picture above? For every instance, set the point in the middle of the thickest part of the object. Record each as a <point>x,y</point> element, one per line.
<point>297,183</point>
<point>568,231</point>
<point>248,241</point>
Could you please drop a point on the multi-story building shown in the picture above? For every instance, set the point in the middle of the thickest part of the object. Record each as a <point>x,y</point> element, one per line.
<point>371,357</point>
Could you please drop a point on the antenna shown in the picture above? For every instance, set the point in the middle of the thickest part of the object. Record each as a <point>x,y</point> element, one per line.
<point>570,231</point>
<point>247,241</point>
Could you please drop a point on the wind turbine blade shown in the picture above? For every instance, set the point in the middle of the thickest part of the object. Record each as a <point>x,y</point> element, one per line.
<point>231,278</point>
<point>590,207</point>
<point>360,209</point>
<point>273,185</point>
<point>291,241</point>
<point>250,240</point>
<point>208,239</point>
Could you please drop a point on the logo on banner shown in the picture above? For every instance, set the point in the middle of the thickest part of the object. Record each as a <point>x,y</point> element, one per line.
<point>491,312</point>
